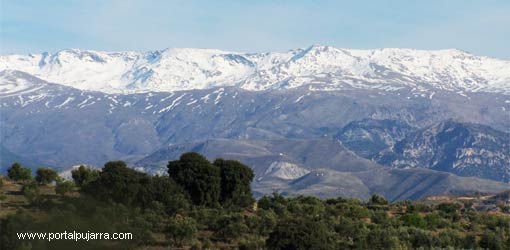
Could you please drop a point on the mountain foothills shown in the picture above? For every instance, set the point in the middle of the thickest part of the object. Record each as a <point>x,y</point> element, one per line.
<point>323,168</point>
<point>318,121</point>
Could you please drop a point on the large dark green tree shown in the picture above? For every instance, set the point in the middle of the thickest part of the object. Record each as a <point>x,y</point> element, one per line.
<point>235,183</point>
<point>19,173</point>
<point>116,182</point>
<point>199,178</point>
<point>45,175</point>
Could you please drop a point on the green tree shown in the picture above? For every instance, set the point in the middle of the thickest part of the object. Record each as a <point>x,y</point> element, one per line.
<point>263,223</point>
<point>421,238</point>
<point>377,200</point>
<point>230,227</point>
<point>306,206</point>
<point>449,208</point>
<point>18,173</point>
<point>413,220</point>
<point>450,238</point>
<point>491,241</point>
<point>352,233</point>
<point>199,178</point>
<point>380,217</point>
<point>235,183</point>
<point>181,229</point>
<point>382,239</point>
<point>434,221</point>
<point>45,175</point>
<point>470,242</point>
<point>300,234</point>
<point>450,211</point>
<point>83,175</point>
<point>118,183</point>
<point>276,202</point>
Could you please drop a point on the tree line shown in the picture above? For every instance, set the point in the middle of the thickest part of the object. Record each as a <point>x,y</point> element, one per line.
<point>209,205</point>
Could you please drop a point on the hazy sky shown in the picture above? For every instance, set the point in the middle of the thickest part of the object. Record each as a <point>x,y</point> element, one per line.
<point>479,27</point>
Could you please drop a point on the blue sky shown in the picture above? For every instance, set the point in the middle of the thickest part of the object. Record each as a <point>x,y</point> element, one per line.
<point>479,27</point>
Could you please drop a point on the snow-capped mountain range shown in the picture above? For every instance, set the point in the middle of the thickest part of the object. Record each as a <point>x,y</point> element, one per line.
<point>317,67</point>
<point>298,118</point>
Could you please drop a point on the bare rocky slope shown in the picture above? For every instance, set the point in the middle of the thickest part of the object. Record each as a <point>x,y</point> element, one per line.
<point>464,149</point>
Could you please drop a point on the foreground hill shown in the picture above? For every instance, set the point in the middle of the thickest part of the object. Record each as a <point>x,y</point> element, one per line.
<point>190,210</point>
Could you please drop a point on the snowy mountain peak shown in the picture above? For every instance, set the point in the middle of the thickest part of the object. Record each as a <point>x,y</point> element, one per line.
<point>13,82</point>
<point>319,66</point>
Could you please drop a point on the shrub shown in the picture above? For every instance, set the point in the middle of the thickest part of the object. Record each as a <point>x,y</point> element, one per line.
<point>30,190</point>
<point>300,234</point>
<point>181,229</point>
<point>413,220</point>
<point>64,187</point>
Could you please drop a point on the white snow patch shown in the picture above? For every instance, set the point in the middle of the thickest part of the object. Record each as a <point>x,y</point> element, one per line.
<point>175,102</point>
<point>285,170</point>
<point>69,99</point>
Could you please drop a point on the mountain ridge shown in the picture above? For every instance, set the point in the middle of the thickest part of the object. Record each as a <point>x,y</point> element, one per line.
<point>323,67</point>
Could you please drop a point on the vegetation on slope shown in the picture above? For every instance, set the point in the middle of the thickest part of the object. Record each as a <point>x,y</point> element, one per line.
<point>208,205</point>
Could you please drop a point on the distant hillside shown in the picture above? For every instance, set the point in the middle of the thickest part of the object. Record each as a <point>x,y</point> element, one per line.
<point>322,168</point>
<point>461,148</point>
<point>368,137</point>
